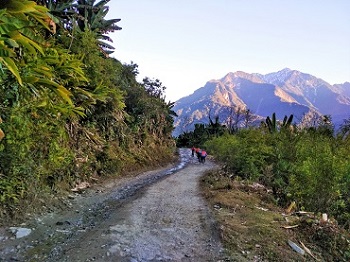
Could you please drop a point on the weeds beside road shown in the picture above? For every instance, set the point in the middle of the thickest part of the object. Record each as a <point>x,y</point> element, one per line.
<point>254,228</point>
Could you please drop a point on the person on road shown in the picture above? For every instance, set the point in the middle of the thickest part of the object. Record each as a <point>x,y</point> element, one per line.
<point>198,153</point>
<point>203,156</point>
<point>193,150</point>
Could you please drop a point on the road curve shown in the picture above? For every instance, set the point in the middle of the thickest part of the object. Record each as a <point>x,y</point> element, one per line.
<point>164,220</point>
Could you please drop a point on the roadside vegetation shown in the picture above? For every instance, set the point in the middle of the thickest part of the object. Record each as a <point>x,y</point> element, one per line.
<point>254,228</point>
<point>70,113</point>
<point>305,168</point>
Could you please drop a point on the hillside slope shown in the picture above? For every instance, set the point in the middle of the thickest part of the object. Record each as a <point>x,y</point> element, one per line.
<point>284,92</point>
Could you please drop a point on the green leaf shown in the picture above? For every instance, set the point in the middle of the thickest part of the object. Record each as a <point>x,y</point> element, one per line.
<point>10,64</point>
<point>11,42</point>
<point>30,79</point>
<point>65,94</point>
<point>61,90</point>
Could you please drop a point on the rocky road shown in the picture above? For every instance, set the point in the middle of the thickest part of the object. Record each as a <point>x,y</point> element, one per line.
<point>156,216</point>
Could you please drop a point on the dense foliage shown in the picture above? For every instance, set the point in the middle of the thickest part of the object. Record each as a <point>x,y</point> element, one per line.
<point>68,111</point>
<point>201,134</point>
<point>310,166</point>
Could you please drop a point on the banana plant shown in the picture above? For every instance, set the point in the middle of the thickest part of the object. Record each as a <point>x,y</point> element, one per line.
<point>19,37</point>
<point>17,33</point>
<point>287,121</point>
<point>91,16</point>
<point>271,123</point>
<point>43,66</point>
<point>274,126</point>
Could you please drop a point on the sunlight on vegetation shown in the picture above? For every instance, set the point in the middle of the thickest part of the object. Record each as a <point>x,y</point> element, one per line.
<point>70,113</point>
<point>304,167</point>
<point>308,165</point>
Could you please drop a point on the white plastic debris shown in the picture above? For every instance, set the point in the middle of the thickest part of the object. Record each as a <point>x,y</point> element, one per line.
<point>296,248</point>
<point>20,231</point>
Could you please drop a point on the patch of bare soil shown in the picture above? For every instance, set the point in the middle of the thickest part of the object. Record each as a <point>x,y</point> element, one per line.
<point>156,216</point>
<point>253,228</point>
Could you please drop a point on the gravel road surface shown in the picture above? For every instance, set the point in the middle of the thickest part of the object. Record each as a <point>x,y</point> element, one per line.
<point>156,216</point>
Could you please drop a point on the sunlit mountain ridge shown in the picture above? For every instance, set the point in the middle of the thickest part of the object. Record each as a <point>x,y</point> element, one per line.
<point>284,92</point>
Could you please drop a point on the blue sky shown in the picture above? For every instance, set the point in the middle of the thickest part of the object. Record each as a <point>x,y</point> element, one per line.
<point>185,43</point>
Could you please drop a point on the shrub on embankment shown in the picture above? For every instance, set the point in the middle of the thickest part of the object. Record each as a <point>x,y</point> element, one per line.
<point>309,166</point>
<point>68,111</point>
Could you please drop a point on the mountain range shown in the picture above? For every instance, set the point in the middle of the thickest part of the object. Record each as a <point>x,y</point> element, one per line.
<point>284,92</point>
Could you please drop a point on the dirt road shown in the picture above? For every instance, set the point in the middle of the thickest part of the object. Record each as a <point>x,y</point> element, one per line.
<point>157,216</point>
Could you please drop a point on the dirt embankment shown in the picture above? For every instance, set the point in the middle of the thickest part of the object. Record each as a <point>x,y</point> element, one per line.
<point>254,228</point>
<point>157,216</point>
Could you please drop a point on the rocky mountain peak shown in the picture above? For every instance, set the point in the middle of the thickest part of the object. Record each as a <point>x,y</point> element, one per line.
<point>284,92</point>
<point>280,76</point>
<point>239,76</point>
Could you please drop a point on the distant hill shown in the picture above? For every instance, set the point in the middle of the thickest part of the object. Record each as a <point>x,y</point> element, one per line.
<point>284,92</point>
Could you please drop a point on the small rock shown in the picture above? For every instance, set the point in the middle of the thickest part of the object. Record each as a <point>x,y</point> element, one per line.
<point>2,238</point>
<point>79,188</point>
<point>217,207</point>
<point>20,231</point>
<point>60,223</point>
<point>63,231</point>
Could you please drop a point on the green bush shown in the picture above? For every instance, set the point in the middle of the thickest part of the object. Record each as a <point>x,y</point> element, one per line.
<point>315,183</point>
<point>35,148</point>
<point>246,153</point>
<point>309,167</point>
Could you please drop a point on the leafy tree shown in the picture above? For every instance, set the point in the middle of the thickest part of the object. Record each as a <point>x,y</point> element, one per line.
<point>215,128</point>
<point>62,12</point>
<point>325,126</point>
<point>345,129</point>
<point>154,87</point>
<point>248,118</point>
<point>185,139</point>
<point>235,117</point>
<point>92,17</point>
